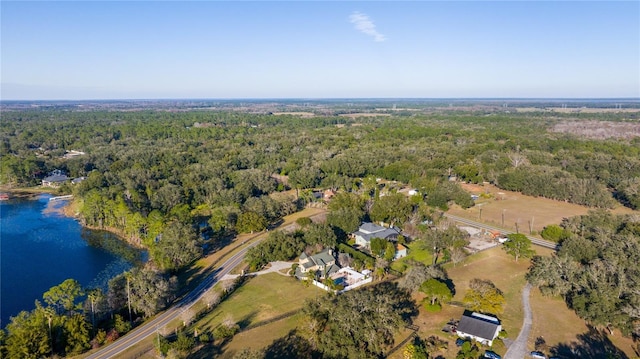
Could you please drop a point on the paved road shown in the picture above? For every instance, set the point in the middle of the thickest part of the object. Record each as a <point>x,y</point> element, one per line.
<point>536,241</point>
<point>150,327</point>
<point>518,349</point>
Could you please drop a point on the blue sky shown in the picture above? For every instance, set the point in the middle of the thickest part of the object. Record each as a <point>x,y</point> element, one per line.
<point>327,49</point>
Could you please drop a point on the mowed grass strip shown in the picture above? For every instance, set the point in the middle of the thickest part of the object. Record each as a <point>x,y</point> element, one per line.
<point>261,337</point>
<point>260,298</point>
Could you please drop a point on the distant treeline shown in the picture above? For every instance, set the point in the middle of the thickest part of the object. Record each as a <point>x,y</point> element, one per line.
<point>216,171</point>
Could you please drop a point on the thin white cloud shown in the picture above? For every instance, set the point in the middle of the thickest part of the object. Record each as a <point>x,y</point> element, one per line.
<point>363,23</point>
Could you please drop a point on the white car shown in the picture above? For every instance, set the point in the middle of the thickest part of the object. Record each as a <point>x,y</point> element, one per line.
<point>502,239</point>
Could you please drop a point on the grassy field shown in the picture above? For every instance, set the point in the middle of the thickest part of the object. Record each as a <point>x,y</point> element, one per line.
<point>259,299</point>
<point>494,265</point>
<point>521,209</point>
<point>559,325</point>
<point>508,275</point>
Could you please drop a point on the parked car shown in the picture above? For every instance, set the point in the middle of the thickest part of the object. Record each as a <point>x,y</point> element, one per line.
<point>502,239</point>
<point>492,355</point>
<point>459,342</point>
<point>538,355</point>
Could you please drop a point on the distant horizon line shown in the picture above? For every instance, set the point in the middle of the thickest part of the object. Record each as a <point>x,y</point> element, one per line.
<point>334,99</point>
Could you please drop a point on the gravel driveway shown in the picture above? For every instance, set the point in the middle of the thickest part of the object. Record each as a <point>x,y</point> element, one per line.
<point>518,349</point>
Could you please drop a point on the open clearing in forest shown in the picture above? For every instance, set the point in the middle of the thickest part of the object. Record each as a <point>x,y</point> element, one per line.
<point>519,208</point>
<point>295,113</point>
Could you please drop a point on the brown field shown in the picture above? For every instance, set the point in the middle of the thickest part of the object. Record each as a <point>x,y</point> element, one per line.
<point>301,114</point>
<point>507,274</point>
<point>599,129</point>
<point>260,337</point>
<point>557,324</point>
<point>519,208</point>
<point>364,114</point>
<point>576,110</point>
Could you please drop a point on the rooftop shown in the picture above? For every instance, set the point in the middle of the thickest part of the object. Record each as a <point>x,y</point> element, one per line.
<point>479,325</point>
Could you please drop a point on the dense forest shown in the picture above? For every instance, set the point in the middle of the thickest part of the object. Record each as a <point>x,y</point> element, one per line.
<point>179,182</point>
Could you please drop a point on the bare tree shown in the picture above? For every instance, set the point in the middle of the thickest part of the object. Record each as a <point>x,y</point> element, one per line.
<point>187,316</point>
<point>457,255</point>
<point>517,158</point>
<point>228,285</point>
<point>211,298</point>
<point>344,260</point>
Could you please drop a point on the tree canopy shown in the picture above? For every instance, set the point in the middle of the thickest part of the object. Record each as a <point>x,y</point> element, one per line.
<point>596,270</point>
<point>519,246</point>
<point>484,296</point>
<point>436,291</point>
<point>359,323</point>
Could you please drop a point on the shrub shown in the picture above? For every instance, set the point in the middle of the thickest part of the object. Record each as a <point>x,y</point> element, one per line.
<point>303,221</point>
<point>225,331</point>
<point>554,233</point>
<point>122,326</point>
<point>162,344</point>
<point>432,308</point>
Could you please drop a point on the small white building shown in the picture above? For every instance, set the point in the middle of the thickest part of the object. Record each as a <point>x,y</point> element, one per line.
<point>479,327</point>
<point>401,251</point>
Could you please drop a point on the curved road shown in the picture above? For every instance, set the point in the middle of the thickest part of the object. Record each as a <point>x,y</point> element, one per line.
<point>518,349</point>
<point>536,241</point>
<point>150,327</point>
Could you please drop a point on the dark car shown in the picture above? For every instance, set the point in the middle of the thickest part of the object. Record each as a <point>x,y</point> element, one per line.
<point>492,355</point>
<point>459,342</point>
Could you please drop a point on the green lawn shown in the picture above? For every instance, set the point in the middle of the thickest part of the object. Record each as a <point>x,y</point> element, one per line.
<point>415,253</point>
<point>259,299</point>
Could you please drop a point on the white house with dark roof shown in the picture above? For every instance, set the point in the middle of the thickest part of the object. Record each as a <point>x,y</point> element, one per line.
<point>369,230</point>
<point>479,327</point>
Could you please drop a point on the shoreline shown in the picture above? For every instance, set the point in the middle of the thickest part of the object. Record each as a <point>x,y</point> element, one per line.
<point>70,210</point>
<point>26,192</point>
